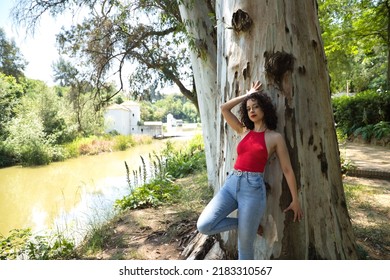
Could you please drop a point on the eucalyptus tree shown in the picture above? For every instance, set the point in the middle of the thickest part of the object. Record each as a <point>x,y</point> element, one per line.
<point>232,44</point>
<point>279,43</point>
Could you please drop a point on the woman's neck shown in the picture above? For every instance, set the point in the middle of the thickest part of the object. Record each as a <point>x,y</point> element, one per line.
<point>260,127</point>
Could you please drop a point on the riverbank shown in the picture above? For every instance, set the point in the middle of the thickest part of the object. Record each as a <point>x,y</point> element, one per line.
<point>85,146</point>
<point>66,199</point>
<point>72,191</point>
<point>158,233</point>
<point>162,233</point>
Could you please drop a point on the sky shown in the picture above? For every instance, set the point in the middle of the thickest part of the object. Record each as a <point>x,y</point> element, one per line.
<point>39,51</point>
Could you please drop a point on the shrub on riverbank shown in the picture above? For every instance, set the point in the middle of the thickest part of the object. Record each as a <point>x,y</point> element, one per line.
<point>157,192</point>
<point>163,170</point>
<point>123,142</point>
<point>181,163</point>
<point>107,143</point>
<point>33,152</point>
<point>22,244</point>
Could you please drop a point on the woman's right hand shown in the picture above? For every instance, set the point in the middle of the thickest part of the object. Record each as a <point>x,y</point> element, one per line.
<point>256,86</point>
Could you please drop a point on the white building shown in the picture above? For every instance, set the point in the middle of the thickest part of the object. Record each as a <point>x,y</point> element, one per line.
<point>123,118</point>
<point>172,122</point>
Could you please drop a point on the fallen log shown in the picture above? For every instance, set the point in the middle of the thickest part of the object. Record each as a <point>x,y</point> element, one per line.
<point>202,247</point>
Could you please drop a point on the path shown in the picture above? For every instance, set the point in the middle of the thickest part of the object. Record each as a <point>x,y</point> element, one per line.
<point>370,161</point>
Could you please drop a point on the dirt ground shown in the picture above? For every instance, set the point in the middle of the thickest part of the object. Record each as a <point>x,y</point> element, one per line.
<point>370,216</point>
<point>147,234</point>
<point>161,233</point>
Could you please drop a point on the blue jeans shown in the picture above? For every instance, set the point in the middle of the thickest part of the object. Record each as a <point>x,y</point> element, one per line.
<point>244,191</point>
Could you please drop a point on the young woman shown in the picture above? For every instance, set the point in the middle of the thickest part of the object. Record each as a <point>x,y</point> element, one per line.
<point>244,187</point>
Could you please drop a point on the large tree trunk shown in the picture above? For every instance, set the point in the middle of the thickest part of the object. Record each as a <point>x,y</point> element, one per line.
<point>278,42</point>
<point>204,66</point>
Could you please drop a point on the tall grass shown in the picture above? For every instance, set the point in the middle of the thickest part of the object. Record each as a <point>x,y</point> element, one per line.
<point>153,183</point>
<point>95,145</point>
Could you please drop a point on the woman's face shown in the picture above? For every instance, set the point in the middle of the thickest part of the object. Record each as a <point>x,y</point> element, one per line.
<point>255,113</point>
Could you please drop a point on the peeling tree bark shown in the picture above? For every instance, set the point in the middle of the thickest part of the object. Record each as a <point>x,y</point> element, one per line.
<point>278,42</point>
<point>204,66</point>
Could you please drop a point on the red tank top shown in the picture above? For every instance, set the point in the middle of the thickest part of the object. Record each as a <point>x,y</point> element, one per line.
<point>252,154</point>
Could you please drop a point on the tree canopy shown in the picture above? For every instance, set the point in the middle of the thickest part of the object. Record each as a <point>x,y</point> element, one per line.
<point>144,38</point>
<point>12,62</point>
<point>357,43</point>
<point>143,44</point>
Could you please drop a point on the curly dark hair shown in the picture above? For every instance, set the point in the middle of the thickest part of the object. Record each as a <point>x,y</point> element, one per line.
<point>265,104</point>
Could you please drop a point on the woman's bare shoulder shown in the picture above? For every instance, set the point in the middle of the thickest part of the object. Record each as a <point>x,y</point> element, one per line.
<point>274,134</point>
<point>274,137</point>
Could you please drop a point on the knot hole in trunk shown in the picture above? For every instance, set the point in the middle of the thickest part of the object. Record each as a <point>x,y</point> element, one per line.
<point>277,64</point>
<point>241,21</point>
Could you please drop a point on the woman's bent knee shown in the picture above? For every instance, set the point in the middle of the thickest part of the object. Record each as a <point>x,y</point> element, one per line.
<point>203,227</point>
<point>204,223</point>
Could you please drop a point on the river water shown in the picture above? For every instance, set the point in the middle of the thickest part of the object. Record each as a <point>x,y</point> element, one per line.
<point>72,195</point>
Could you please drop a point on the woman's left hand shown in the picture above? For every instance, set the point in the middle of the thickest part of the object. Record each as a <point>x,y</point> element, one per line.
<point>296,208</point>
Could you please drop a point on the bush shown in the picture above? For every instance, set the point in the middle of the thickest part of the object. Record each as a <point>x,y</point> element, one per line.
<point>152,194</point>
<point>358,115</point>
<point>35,154</point>
<point>71,150</point>
<point>58,153</point>
<point>95,145</point>
<point>88,146</point>
<point>180,163</point>
<point>7,157</point>
<point>123,142</point>
<point>382,130</point>
<point>164,169</point>
<point>21,244</point>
